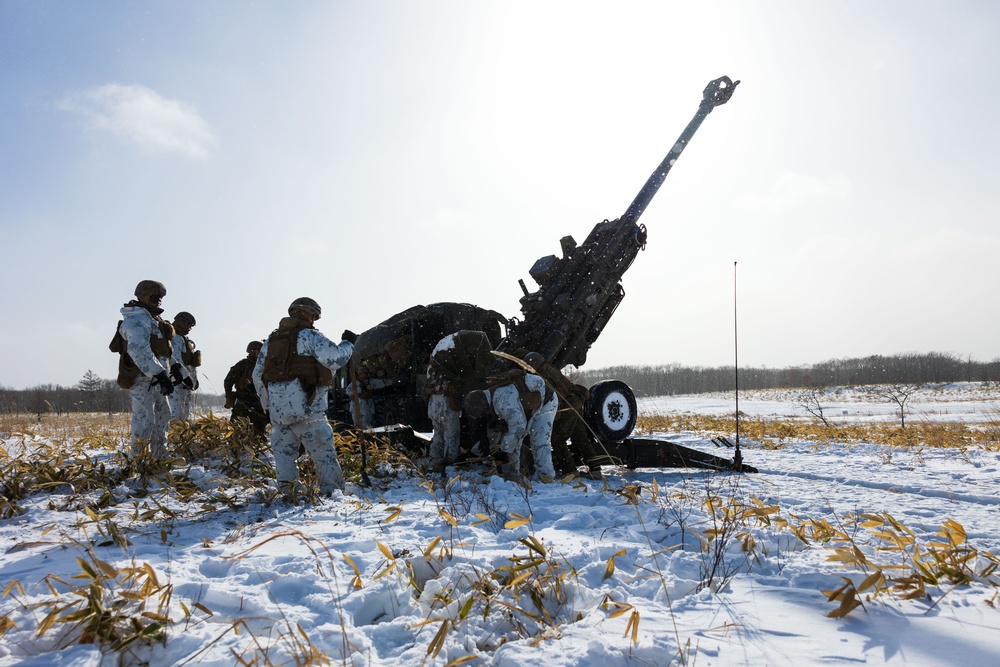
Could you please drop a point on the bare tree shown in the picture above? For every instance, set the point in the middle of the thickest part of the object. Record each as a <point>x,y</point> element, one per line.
<point>809,401</point>
<point>113,398</point>
<point>899,394</point>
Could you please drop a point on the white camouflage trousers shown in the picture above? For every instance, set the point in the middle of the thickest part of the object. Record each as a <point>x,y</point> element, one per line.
<point>447,430</point>
<point>507,406</point>
<point>316,435</point>
<point>180,403</point>
<point>150,415</point>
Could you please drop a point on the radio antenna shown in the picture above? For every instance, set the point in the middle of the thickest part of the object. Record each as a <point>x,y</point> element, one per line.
<point>738,456</point>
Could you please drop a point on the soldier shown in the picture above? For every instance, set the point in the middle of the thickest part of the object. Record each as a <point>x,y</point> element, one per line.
<point>241,395</point>
<point>143,342</point>
<point>293,373</point>
<point>184,367</point>
<point>569,424</point>
<point>517,404</point>
<point>458,364</point>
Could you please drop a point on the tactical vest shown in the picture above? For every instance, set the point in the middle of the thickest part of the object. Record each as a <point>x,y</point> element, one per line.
<point>283,362</point>
<point>189,355</point>
<point>128,372</point>
<point>530,400</point>
<point>455,371</point>
<point>245,382</point>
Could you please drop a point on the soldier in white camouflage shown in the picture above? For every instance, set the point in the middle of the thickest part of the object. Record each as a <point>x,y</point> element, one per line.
<point>143,341</point>
<point>293,374</point>
<point>573,443</point>
<point>517,405</point>
<point>458,364</point>
<point>184,367</point>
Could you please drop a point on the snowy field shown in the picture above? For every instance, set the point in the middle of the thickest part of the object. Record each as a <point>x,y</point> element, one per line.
<point>963,402</point>
<point>643,570</point>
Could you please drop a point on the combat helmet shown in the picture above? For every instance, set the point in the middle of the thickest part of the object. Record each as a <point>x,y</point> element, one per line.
<point>476,404</point>
<point>306,304</point>
<point>185,317</point>
<point>150,287</point>
<point>534,359</point>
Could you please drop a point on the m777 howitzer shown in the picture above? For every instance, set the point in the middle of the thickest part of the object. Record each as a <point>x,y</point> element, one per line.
<point>576,297</point>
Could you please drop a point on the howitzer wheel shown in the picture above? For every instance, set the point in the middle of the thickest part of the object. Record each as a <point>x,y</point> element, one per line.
<point>611,410</point>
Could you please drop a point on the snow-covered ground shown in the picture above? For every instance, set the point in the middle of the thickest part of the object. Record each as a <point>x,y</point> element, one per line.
<point>467,570</point>
<point>961,402</point>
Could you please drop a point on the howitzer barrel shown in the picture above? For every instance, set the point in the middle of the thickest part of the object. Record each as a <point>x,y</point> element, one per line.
<point>717,92</point>
<point>579,292</point>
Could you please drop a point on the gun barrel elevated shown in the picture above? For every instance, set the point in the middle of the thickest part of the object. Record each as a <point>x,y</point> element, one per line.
<point>580,291</point>
<point>717,92</point>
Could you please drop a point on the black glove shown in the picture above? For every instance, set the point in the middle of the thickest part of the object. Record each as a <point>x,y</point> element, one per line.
<point>188,383</point>
<point>349,336</point>
<point>175,373</point>
<point>166,386</point>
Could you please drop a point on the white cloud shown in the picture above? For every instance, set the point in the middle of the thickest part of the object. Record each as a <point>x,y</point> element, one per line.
<point>141,116</point>
<point>791,190</point>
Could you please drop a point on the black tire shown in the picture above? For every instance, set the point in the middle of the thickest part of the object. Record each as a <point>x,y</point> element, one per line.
<point>611,410</point>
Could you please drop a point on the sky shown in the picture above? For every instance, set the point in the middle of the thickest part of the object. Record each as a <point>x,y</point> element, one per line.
<point>375,156</point>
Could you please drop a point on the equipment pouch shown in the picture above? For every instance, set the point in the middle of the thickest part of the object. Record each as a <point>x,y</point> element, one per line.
<point>191,356</point>
<point>162,347</point>
<point>117,344</point>
<point>128,372</point>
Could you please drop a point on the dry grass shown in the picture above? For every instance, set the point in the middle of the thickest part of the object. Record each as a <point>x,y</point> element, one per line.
<point>68,425</point>
<point>776,434</point>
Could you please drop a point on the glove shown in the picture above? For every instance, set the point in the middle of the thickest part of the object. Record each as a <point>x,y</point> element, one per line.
<point>188,383</point>
<point>349,336</point>
<point>166,386</point>
<point>175,373</point>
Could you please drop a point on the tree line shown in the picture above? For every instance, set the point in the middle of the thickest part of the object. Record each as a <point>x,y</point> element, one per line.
<point>913,368</point>
<point>91,394</point>
<point>95,394</point>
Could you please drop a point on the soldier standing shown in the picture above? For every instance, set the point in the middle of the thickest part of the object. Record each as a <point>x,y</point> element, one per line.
<point>458,364</point>
<point>293,373</point>
<point>143,342</point>
<point>518,404</point>
<point>241,396</point>
<point>184,369</point>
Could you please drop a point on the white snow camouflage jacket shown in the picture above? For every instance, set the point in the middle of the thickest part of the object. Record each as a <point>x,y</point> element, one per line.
<point>286,401</point>
<point>137,326</point>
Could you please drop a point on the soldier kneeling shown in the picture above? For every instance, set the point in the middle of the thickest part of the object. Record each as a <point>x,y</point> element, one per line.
<point>517,404</point>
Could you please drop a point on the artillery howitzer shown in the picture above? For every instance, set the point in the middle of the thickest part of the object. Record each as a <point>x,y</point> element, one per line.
<point>577,295</point>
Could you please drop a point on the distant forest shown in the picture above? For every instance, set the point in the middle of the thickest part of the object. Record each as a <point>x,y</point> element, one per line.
<point>90,394</point>
<point>95,394</point>
<point>913,368</point>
